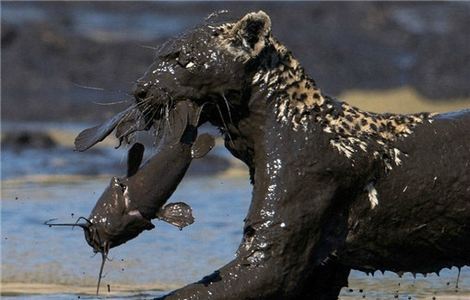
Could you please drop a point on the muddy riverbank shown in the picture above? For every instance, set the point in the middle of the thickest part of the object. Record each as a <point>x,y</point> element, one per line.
<point>53,51</point>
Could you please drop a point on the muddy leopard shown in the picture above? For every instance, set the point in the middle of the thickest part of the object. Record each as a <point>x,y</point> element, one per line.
<point>334,187</point>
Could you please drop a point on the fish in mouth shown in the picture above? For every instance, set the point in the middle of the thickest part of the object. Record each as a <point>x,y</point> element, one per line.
<point>128,204</point>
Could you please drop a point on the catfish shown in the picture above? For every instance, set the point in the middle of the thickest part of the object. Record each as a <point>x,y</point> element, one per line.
<point>128,204</point>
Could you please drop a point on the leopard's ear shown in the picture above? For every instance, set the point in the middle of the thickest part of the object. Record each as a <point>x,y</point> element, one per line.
<point>250,33</point>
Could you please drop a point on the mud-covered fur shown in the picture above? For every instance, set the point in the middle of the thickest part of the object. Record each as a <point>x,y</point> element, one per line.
<point>335,187</point>
<point>299,102</point>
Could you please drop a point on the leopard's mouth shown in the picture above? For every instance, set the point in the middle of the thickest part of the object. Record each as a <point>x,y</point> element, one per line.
<point>159,108</point>
<point>163,115</point>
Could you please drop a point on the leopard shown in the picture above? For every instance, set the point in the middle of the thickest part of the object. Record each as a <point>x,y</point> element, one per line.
<point>335,187</point>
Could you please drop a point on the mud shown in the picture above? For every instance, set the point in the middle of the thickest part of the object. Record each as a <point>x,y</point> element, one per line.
<point>21,140</point>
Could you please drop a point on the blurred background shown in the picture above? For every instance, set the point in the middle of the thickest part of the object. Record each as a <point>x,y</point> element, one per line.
<point>66,66</point>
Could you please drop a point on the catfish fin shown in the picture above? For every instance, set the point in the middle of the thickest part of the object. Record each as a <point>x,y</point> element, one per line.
<point>134,158</point>
<point>132,122</point>
<point>203,144</point>
<point>179,121</point>
<point>178,214</point>
<point>89,137</point>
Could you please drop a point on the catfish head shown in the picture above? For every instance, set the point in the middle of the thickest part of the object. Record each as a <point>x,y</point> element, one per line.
<point>110,223</point>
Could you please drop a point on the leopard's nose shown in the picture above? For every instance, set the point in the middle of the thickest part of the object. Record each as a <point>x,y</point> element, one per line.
<point>140,90</point>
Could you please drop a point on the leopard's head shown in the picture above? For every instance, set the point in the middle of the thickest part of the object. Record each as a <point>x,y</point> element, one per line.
<point>212,66</point>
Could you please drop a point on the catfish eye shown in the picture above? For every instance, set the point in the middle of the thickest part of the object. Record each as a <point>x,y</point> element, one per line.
<point>89,236</point>
<point>93,239</point>
<point>97,242</point>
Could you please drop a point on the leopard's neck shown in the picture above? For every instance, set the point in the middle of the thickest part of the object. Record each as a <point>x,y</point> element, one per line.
<point>299,103</point>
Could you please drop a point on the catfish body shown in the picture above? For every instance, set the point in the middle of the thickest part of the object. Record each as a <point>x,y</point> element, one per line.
<point>128,204</point>
<point>158,179</point>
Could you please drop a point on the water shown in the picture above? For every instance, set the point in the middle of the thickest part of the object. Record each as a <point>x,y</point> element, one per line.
<point>56,263</point>
<point>163,257</point>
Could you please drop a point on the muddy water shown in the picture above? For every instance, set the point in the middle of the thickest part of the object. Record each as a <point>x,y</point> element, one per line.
<point>163,258</point>
<point>39,262</point>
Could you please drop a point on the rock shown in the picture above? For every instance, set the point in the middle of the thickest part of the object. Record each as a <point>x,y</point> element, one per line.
<point>9,34</point>
<point>28,139</point>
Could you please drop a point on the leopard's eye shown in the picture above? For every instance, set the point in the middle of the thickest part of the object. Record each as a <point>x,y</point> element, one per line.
<point>171,56</point>
<point>186,61</point>
<point>190,65</point>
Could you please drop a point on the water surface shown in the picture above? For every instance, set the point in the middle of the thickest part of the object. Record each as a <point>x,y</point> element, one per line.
<point>57,263</point>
